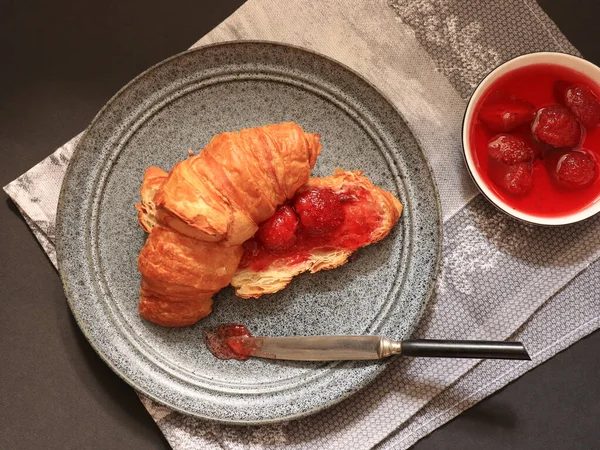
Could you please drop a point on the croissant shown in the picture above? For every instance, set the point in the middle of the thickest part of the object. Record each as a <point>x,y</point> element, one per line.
<point>368,212</point>
<point>201,213</point>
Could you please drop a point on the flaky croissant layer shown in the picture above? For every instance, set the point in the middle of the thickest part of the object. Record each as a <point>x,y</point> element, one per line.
<point>200,213</point>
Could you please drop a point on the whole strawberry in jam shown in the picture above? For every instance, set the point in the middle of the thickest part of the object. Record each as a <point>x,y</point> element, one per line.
<point>501,115</point>
<point>556,126</point>
<point>518,179</point>
<point>509,149</point>
<point>580,100</point>
<point>575,169</point>
<point>320,210</point>
<point>278,233</point>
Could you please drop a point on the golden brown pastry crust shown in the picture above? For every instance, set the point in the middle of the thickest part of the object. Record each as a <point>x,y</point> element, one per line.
<point>180,274</point>
<point>236,182</point>
<point>252,284</point>
<point>153,179</point>
<point>200,213</point>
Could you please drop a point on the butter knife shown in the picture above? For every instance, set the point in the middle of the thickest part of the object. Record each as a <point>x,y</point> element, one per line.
<point>336,348</point>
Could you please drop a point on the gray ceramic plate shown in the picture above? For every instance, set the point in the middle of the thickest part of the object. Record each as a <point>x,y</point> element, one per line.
<point>180,103</point>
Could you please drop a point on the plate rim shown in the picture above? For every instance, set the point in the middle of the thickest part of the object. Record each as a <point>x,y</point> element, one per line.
<point>435,271</point>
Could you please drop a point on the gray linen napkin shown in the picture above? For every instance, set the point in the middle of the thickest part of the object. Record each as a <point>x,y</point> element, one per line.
<point>499,278</point>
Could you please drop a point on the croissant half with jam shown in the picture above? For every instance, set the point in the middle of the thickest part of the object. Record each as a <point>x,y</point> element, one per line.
<point>326,221</point>
<point>245,212</point>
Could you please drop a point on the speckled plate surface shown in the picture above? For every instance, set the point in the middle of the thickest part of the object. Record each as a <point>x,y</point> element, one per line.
<point>181,103</point>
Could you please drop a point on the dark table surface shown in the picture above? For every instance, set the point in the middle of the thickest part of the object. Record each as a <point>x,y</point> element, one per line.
<point>61,61</point>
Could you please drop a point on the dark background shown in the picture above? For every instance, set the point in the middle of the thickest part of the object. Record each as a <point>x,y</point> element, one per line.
<point>60,62</point>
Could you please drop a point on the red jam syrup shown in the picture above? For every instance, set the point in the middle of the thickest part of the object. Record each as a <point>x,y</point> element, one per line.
<point>230,341</point>
<point>315,219</point>
<point>546,196</point>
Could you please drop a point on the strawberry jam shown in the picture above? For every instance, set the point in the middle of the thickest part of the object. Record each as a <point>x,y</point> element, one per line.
<point>320,211</point>
<point>230,341</point>
<point>327,220</point>
<point>557,182</point>
<point>278,233</point>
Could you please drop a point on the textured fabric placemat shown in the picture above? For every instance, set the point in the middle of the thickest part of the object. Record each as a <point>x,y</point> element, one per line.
<point>499,278</point>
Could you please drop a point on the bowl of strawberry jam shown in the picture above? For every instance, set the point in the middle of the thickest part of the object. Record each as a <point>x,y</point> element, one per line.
<point>531,138</point>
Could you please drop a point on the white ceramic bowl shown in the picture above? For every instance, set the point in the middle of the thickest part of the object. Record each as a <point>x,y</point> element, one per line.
<point>572,62</point>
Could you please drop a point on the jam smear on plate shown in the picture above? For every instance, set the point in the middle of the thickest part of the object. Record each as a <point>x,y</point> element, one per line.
<point>230,341</point>
<point>564,135</point>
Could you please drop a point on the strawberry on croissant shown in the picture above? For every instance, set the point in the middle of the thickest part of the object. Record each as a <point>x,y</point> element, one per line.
<point>201,213</point>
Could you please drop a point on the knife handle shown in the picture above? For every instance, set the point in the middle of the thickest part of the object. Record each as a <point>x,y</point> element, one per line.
<point>464,349</point>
